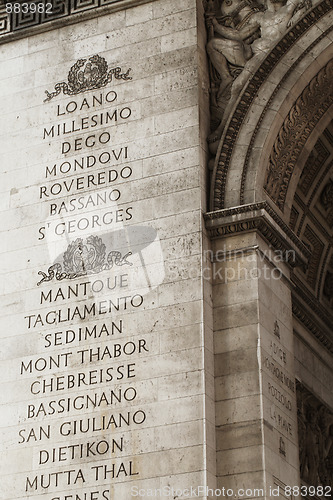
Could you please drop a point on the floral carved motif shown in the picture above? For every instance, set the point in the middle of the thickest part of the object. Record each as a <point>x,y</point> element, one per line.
<point>84,258</point>
<point>88,74</point>
<point>313,164</point>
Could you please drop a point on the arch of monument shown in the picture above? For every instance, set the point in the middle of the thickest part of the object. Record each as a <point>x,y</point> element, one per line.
<point>270,188</point>
<point>167,249</point>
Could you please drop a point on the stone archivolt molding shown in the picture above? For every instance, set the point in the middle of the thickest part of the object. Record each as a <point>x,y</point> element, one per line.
<point>311,220</point>
<point>315,438</point>
<point>247,98</point>
<point>309,108</point>
<point>313,164</point>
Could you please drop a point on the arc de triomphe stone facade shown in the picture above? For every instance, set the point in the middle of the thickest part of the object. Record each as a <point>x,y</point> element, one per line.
<point>166,249</point>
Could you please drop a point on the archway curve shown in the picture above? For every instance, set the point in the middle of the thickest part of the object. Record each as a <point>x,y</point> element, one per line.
<point>292,133</point>
<point>280,79</point>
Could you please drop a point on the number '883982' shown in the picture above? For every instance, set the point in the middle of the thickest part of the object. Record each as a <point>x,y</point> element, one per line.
<point>28,7</point>
<point>308,491</point>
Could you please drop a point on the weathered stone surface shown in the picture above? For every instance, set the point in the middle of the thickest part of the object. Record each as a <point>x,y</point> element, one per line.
<point>133,337</point>
<point>115,335</point>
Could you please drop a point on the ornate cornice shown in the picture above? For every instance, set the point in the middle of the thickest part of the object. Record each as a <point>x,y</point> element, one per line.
<point>308,308</point>
<point>262,218</point>
<point>249,93</point>
<point>64,12</point>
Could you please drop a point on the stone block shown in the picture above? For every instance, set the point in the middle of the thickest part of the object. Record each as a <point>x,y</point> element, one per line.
<point>176,41</point>
<point>139,15</point>
<point>240,460</point>
<point>235,362</point>
<point>236,315</point>
<point>237,410</point>
<point>238,435</point>
<point>232,339</point>
<point>236,385</point>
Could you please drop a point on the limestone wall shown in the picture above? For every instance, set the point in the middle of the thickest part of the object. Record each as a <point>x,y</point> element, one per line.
<point>106,369</point>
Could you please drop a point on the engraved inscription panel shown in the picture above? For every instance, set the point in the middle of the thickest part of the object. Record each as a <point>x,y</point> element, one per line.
<point>101,332</point>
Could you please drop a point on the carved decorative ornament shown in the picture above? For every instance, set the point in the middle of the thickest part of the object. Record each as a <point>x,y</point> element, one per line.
<point>82,259</point>
<point>312,220</point>
<point>311,313</point>
<point>313,165</point>
<point>245,209</point>
<point>249,93</point>
<point>15,21</point>
<point>315,438</point>
<point>312,104</point>
<point>88,74</point>
<point>262,218</point>
<point>240,33</point>
<point>317,247</point>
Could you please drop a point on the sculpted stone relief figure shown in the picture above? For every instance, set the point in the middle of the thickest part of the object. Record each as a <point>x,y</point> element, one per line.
<point>312,450</point>
<point>325,458</point>
<point>231,30</point>
<point>240,33</point>
<point>315,437</point>
<point>276,19</point>
<point>232,48</point>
